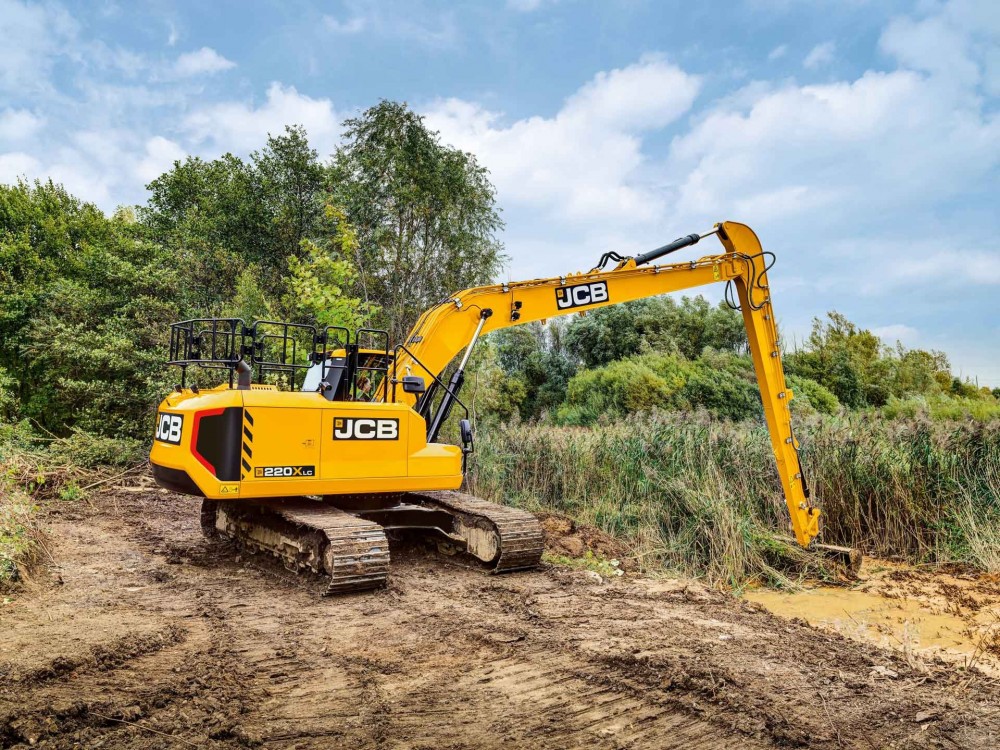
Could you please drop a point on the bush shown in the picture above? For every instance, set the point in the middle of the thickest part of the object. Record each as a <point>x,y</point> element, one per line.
<point>19,535</point>
<point>807,392</point>
<point>725,392</point>
<point>624,387</point>
<point>943,407</point>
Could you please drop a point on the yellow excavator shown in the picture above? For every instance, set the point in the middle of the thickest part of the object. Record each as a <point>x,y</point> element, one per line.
<point>323,440</point>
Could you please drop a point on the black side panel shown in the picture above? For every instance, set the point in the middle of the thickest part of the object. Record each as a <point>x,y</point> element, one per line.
<point>219,441</point>
<point>176,480</point>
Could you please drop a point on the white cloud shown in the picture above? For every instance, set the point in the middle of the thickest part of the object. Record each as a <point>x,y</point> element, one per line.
<point>161,153</point>
<point>205,61</point>
<point>353,25</point>
<point>172,35</point>
<point>18,125</point>
<point>820,55</point>
<point>894,332</point>
<point>957,42</point>
<point>865,150</point>
<point>949,268</point>
<point>778,52</point>
<point>31,37</point>
<point>584,162</point>
<point>18,165</point>
<point>409,22</point>
<point>524,6</point>
<point>240,126</point>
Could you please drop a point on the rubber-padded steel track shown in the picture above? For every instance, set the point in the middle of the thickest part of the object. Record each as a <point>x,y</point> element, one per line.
<point>305,534</point>
<point>514,536</point>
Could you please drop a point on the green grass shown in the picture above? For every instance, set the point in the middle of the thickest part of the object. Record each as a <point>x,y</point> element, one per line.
<point>590,561</point>
<point>700,496</point>
<point>18,536</point>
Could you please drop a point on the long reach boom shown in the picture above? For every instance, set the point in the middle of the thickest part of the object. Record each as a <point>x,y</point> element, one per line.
<point>443,331</point>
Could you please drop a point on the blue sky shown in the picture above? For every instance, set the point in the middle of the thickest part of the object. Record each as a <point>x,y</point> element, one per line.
<point>861,139</point>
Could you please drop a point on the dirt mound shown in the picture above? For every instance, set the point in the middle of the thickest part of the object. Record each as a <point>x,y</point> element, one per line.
<point>566,537</point>
<point>159,639</point>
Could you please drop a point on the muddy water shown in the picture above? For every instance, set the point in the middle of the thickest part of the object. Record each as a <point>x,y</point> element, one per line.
<point>922,613</point>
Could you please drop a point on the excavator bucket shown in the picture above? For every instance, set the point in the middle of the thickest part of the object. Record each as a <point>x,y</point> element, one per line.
<point>849,557</point>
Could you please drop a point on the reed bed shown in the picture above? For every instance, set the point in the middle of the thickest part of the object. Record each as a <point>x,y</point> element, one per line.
<point>701,496</point>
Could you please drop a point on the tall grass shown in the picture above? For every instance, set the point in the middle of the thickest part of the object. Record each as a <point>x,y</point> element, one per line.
<point>702,496</point>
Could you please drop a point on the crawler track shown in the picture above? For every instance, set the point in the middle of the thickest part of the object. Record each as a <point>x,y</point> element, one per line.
<point>307,535</point>
<point>518,535</point>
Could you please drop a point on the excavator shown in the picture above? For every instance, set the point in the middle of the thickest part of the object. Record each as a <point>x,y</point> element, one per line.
<point>323,441</point>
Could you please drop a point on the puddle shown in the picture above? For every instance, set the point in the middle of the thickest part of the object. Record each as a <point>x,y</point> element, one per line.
<point>922,613</point>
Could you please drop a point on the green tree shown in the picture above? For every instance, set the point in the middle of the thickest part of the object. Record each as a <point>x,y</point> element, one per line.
<point>320,284</point>
<point>425,214</point>
<point>85,307</point>
<point>624,387</point>
<point>255,211</point>
<point>659,324</point>
<point>531,356</point>
<point>849,361</point>
<point>292,180</point>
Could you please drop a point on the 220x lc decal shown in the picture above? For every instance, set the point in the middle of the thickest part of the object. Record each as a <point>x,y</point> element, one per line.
<point>283,472</point>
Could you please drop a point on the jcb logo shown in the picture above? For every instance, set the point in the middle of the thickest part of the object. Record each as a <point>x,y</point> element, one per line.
<point>581,294</point>
<point>283,472</point>
<point>168,428</point>
<point>349,428</point>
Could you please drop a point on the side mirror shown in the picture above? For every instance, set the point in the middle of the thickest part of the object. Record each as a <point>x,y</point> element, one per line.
<point>466,429</point>
<point>413,384</point>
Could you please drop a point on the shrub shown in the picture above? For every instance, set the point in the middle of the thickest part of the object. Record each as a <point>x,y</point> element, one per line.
<point>722,392</point>
<point>808,392</point>
<point>19,536</point>
<point>625,387</point>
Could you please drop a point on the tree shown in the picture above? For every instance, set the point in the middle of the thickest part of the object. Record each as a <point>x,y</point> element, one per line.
<point>425,214</point>
<point>531,356</point>
<point>849,361</point>
<point>320,284</point>
<point>658,323</point>
<point>292,180</point>
<point>85,307</point>
<point>255,211</point>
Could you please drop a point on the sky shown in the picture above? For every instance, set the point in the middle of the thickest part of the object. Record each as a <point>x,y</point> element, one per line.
<point>859,138</point>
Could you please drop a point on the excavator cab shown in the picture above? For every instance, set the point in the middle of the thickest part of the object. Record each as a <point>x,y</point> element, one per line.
<point>351,374</point>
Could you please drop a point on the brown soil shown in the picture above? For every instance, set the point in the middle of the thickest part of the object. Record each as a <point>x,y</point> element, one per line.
<point>565,537</point>
<point>141,634</point>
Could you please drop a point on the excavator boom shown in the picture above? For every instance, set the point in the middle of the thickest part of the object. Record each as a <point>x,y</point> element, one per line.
<point>453,325</point>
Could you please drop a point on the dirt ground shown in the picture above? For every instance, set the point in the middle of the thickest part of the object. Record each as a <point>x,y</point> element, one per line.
<point>138,633</point>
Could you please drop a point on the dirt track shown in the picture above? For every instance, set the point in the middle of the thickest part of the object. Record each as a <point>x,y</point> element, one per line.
<point>140,634</point>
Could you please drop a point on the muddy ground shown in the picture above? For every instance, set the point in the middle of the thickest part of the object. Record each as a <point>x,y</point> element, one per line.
<point>138,633</point>
<point>940,612</point>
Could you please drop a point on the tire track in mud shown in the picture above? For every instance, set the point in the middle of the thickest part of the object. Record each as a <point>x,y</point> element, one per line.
<point>447,657</point>
<point>828,691</point>
<point>127,687</point>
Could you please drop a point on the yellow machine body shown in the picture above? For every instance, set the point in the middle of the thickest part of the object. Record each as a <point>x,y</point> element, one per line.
<point>264,442</point>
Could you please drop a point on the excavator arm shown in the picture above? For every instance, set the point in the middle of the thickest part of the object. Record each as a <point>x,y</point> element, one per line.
<point>443,331</point>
